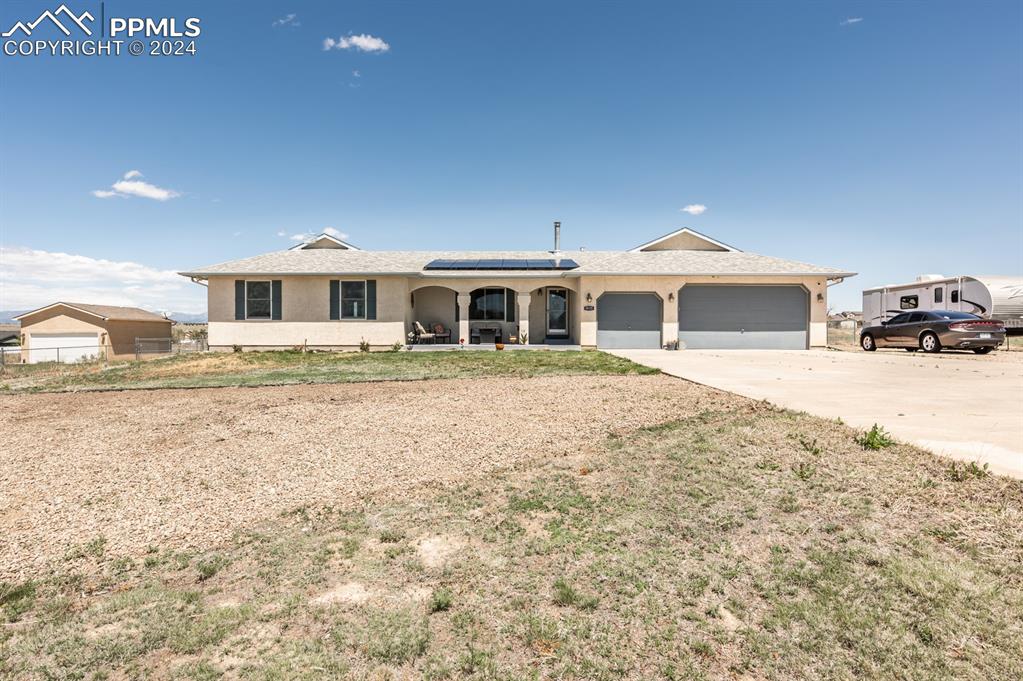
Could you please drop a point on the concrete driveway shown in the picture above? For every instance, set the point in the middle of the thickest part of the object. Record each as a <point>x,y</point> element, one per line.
<point>963,406</point>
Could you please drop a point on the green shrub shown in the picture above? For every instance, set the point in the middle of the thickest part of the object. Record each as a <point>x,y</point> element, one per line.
<point>875,438</point>
<point>210,565</point>
<point>441,600</point>
<point>959,472</point>
<point>804,471</point>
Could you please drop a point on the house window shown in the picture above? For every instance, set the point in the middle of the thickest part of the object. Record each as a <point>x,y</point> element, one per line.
<point>909,302</point>
<point>258,299</point>
<point>353,300</point>
<point>939,295</point>
<point>487,304</point>
<point>955,295</point>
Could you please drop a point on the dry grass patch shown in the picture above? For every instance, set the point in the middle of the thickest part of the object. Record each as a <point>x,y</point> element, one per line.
<point>692,549</point>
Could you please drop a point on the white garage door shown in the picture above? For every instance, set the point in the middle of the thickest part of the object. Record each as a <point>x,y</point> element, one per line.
<point>62,347</point>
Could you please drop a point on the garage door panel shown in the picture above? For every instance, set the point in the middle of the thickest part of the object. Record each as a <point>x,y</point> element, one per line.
<point>62,347</point>
<point>743,317</point>
<point>628,321</point>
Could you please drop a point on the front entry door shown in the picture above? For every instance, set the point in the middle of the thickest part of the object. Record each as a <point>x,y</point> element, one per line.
<point>557,312</point>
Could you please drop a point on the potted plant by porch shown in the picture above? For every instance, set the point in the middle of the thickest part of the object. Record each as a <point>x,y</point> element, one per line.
<point>499,346</point>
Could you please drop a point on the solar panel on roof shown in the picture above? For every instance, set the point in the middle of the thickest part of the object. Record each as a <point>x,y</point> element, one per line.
<point>498,264</point>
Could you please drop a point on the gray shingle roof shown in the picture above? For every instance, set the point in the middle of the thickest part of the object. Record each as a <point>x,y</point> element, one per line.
<point>111,312</point>
<point>338,261</point>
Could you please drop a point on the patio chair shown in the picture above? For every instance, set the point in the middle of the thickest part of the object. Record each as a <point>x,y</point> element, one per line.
<point>423,335</point>
<point>440,334</point>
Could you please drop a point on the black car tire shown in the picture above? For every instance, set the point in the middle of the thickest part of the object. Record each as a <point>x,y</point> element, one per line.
<point>867,342</point>
<point>929,342</point>
<point>911,349</point>
<point>982,351</point>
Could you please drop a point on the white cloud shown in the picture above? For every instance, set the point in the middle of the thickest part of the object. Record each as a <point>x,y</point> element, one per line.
<point>144,189</point>
<point>286,20</point>
<point>850,21</point>
<point>694,209</point>
<point>129,186</point>
<point>31,278</point>
<point>362,42</point>
<point>336,233</point>
<point>281,232</point>
<point>356,74</point>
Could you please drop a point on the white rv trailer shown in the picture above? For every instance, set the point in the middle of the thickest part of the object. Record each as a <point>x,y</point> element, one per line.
<point>992,297</point>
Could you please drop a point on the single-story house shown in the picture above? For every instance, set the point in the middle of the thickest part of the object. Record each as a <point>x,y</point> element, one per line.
<point>683,287</point>
<point>70,332</point>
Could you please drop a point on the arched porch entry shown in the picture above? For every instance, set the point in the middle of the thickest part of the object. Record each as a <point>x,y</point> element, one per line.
<point>432,306</point>
<point>554,313</point>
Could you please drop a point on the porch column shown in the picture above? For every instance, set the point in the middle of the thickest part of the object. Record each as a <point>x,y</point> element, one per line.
<point>523,300</point>
<point>463,318</point>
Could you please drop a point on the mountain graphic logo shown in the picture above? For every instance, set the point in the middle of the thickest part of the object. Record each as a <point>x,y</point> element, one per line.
<point>78,20</point>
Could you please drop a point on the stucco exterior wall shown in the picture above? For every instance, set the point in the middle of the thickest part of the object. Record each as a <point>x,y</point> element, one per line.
<point>122,334</point>
<point>306,308</point>
<point>305,315</point>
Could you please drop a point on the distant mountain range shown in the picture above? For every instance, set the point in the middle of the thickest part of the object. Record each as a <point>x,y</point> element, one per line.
<point>7,316</point>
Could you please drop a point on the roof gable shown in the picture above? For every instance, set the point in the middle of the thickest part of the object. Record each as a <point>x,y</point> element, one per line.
<point>684,239</point>
<point>104,312</point>
<point>324,241</point>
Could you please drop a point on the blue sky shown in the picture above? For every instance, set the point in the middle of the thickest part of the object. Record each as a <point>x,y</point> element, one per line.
<point>885,138</point>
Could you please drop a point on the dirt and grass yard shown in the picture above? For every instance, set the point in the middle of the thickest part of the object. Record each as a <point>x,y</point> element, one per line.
<point>209,370</point>
<point>601,526</point>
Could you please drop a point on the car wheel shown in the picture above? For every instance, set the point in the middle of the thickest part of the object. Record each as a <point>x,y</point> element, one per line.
<point>867,342</point>
<point>929,342</point>
<point>911,349</point>
<point>982,351</point>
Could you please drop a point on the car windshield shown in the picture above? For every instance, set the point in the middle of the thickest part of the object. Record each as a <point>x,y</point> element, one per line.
<point>949,314</point>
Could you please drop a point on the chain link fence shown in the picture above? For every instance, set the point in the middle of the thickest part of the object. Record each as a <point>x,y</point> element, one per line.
<point>844,333</point>
<point>142,348</point>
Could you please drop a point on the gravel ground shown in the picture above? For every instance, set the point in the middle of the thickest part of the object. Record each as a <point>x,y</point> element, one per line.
<point>187,468</point>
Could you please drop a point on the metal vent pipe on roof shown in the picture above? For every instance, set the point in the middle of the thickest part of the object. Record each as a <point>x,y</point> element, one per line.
<point>557,236</point>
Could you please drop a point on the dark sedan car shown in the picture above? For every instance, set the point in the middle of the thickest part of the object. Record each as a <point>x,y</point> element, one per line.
<point>933,330</point>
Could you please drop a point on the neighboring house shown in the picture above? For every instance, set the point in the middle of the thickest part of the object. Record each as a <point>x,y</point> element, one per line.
<point>69,332</point>
<point>846,320</point>
<point>10,335</point>
<point>684,287</point>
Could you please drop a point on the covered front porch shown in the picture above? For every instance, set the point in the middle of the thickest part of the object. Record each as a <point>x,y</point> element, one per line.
<point>486,313</point>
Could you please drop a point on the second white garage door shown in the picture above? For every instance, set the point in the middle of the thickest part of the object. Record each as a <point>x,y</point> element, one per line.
<point>743,317</point>
<point>62,347</point>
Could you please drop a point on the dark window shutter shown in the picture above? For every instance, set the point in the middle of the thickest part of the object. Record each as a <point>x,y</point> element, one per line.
<point>335,299</point>
<point>371,299</point>
<point>509,305</point>
<point>239,299</point>
<point>458,310</point>
<point>275,303</point>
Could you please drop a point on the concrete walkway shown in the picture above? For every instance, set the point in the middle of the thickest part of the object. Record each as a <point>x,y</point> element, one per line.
<point>963,406</point>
